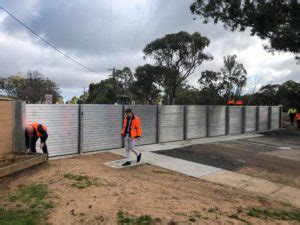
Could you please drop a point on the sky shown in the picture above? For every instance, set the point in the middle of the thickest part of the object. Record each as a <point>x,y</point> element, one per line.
<point>102,34</point>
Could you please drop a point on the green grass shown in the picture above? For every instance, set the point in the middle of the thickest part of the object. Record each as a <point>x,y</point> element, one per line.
<point>125,219</point>
<point>214,210</point>
<point>30,206</point>
<point>274,214</point>
<point>82,181</point>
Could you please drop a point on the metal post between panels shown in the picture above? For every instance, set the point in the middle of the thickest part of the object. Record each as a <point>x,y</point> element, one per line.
<point>244,120</point>
<point>257,118</point>
<point>207,121</point>
<point>158,124</point>
<point>227,118</point>
<point>269,117</point>
<point>280,116</point>
<point>185,125</point>
<point>80,129</point>
<point>122,118</point>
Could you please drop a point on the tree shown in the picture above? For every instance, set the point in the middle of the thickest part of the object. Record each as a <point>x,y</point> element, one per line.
<point>146,87</point>
<point>74,100</point>
<point>125,78</point>
<point>277,21</point>
<point>103,92</point>
<point>179,55</point>
<point>212,85</point>
<point>31,88</point>
<point>234,76</point>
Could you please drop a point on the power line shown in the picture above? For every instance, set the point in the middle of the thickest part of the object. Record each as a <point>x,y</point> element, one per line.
<point>47,42</point>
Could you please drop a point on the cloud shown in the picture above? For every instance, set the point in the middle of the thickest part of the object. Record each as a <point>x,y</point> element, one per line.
<point>113,33</point>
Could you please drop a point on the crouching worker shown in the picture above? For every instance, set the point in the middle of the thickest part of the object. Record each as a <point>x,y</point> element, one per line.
<point>131,131</point>
<point>33,132</point>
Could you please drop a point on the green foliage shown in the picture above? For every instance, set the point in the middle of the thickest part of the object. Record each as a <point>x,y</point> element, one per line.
<point>9,217</point>
<point>31,88</point>
<point>178,55</point>
<point>123,218</point>
<point>277,21</point>
<point>277,215</point>
<point>81,181</point>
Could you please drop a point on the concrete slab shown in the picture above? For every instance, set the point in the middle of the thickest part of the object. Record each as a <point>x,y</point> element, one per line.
<point>288,194</point>
<point>285,154</point>
<point>117,164</point>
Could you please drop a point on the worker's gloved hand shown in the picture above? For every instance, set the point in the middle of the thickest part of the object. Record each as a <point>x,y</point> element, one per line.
<point>42,145</point>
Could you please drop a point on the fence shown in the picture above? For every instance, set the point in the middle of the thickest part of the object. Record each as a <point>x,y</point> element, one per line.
<point>85,128</point>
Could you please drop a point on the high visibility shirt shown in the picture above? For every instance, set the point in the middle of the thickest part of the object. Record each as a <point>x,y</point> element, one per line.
<point>230,102</point>
<point>292,111</point>
<point>133,125</point>
<point>239,102</point>
<point>39,129</point>
<point>298,116</point>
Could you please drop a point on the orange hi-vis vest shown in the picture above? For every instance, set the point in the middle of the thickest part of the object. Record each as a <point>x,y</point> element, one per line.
<point>298,116</point>
<point>35,126</point>
<point>239,102</point>
<point>230,102</point>
<point>135,128</point>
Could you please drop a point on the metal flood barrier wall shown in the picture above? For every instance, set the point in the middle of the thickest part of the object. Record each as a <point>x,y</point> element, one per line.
<point>83,128</point>
<point>62,125</point>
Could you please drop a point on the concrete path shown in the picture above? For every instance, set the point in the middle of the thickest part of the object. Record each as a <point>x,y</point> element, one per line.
<point>216,175</point>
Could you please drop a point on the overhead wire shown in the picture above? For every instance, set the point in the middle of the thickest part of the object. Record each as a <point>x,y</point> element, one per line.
<point>48,42</point>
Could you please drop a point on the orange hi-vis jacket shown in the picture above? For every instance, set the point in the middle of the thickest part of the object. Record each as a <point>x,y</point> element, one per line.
<point>239,102</point>
<point>298,116</point>
<point>135,128</point>
<point>35,126</point>
<point>230,102</point>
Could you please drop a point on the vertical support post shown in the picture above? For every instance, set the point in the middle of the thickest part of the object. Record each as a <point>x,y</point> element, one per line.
<point>207,121</point>
<point>257,118</point>
<point>244,120</point>
<point>122,118</point>
<point>269,117</point>
<point>185,124</point>
<point>19,123</point>
<point>227,118</point>
<point>80,129</point>
<point>280,116</point>
<point>158,124</point>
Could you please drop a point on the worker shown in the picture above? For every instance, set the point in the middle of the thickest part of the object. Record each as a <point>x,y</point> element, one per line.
<point>131,131</point>
<point>239,102</point>
<point>292,114</point>
<point>230,102</point>
<point>298,120</point>
<point>33,132</point>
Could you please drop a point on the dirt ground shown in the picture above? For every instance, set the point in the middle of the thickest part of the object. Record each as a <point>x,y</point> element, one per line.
<point>166,197</point>
<point>274,157</point>
<point>9,159</point>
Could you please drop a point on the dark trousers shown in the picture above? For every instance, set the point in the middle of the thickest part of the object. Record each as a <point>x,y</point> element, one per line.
<point>31,142</point>
<point>292,117</point>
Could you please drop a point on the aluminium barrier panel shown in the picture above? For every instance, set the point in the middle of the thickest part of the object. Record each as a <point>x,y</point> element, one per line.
<point>217,121</point>
<point>171,123</point>
<point>196,121</point>
<point>148,117</point>
<point>251,118</point>
<point>275,117</point>
<point>263,120</point>
<point>62,125</point>
<point>235,119</point>
<point>101,127</point>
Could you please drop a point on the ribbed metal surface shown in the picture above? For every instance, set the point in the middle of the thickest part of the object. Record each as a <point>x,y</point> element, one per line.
<point>101,127</point>
<point>171,123</point>
<point>217,120</point>
<point>148,117</point>
<point>275,117</point>
<point>250,118</point>
<point>19,126</point>
<point>235,119</point>
<point>62,124</point>
<point>263,117</point>
<point>196,121</point>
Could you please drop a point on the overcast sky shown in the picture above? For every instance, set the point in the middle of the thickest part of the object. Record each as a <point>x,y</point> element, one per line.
<point>102,34</point>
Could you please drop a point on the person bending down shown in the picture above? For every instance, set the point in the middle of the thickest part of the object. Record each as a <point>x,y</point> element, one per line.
<point>131,131</point>
<point>33,132</point>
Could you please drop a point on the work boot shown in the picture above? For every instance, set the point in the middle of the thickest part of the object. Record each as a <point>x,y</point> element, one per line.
<point>139,157</point>
<point>128,163</point>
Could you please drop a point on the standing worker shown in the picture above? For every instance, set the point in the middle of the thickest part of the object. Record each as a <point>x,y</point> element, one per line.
<point>292,114</point>
<point>131,131</point>
<point>298,120</point>
<point>33,132</point>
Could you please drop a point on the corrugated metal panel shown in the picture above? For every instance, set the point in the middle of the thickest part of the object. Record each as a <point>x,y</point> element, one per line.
<point>251,117</point>
<point>62,124</point>
<point>171,123</point>
<point>217,120</point>
<point>101,127</point>
<point>275,117</point>
<point>235,120</point>
<point>196,121</point>
<point>263,117</point>
<point>148,117</point>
